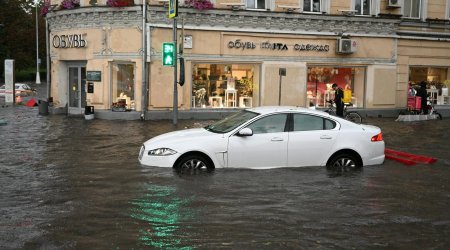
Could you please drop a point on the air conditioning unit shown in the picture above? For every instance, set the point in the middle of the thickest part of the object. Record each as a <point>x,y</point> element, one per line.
<point>346,46</point>
<point>394,3</point>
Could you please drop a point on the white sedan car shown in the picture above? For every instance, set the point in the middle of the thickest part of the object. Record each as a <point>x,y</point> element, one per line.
<point>21,89</point>
<point>268,137</point>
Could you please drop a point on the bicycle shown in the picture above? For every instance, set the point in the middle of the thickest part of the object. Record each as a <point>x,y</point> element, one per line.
<point>432,111</point>
<point>414,110</point>
<point>352,116</point>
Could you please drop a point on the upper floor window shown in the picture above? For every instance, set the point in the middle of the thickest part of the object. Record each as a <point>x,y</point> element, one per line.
<point>256,4</point>
<point>448,9</point>
<point>311,5</point>
<point>363,7</point>
<point>412,8</point>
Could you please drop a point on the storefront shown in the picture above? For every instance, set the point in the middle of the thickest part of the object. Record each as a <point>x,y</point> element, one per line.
<point>425,61</point>
<point>95,62</point>
<point>240,70</point>
<point>225,69</point>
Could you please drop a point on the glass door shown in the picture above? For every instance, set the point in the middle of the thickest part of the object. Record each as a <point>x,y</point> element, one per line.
<point>77,89</point>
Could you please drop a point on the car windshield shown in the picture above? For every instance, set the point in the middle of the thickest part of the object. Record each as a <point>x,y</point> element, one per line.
<point>231,122</point>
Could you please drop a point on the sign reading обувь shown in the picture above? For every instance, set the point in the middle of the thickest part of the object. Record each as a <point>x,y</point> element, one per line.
<point>69,41</point>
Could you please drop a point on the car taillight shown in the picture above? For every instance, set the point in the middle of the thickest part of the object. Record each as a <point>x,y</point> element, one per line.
<point>378,137</point>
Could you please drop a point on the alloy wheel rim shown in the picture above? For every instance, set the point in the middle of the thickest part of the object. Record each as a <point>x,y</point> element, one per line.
<point>194,164</point>
<point>345,162</point>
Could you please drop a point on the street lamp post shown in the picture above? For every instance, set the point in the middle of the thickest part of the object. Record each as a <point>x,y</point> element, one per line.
<point>38,78</point>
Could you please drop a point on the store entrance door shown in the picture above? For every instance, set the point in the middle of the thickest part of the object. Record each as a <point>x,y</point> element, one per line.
<point>77,89</point>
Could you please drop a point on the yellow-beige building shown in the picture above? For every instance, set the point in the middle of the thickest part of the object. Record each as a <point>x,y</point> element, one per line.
<point>238,54</point>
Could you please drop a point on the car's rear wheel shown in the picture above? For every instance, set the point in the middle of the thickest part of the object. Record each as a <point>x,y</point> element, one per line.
<point>194,161</point>
<point>344,161</point>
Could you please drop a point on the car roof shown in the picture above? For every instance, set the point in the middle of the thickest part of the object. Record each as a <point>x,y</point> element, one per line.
<point>272,109</point>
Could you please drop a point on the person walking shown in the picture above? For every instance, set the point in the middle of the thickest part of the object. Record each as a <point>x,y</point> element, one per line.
<point>422,92</point>
<point>338,96</point>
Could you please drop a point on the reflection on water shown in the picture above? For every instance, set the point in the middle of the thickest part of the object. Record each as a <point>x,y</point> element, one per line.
<point>161,211</point>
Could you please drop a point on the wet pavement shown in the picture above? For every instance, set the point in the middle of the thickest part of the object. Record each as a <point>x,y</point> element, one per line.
<point>68,183</point>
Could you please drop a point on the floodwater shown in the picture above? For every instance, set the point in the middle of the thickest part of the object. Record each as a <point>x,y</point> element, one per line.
<point>68,183</point>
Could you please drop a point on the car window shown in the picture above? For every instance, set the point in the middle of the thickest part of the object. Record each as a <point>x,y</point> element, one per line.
<point>304,122</point>
<point>269,124</point>
<point>231,122</point>
<point>329,124</point>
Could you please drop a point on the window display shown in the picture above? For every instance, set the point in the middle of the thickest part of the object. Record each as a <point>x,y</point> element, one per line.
<point>223,85</point>
<point>320,80</point>
<point>437,82</point>
<point>123,87</point>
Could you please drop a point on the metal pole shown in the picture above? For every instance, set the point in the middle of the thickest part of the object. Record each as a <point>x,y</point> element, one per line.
<point>38,78</point>
<point>144,60</point>
<point>47,48</point>
<point>279,92</point>
<point>175,86</point>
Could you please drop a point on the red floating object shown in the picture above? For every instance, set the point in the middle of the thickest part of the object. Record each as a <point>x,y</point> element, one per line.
<point>407,158</point>
<point>31,103</point>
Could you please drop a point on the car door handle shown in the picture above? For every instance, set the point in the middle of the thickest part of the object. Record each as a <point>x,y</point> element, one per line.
<point>326,137</point>
<point>277,139</point>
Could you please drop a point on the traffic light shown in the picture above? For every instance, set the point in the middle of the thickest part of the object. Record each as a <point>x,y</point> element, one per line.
<point>168,54</point>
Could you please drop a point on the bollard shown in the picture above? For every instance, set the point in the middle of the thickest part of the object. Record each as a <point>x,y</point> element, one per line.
<point>43,107</point>
<point>89,112</point>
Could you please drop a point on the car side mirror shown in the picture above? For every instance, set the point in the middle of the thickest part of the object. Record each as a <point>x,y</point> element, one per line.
<point>245,132</point>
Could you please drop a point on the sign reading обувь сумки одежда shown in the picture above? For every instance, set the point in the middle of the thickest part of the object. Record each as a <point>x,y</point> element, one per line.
<point>238,44</point>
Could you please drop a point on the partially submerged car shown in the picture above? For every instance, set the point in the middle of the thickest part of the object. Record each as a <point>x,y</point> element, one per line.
<point>23,89</point>
<point>268,137</point>
<point>20,89</point>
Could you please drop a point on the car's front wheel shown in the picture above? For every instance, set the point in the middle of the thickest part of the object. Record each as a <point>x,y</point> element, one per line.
<point>194,161</point>
<point>344,161</point>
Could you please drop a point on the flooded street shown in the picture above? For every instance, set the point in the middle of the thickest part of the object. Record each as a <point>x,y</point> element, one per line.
<point>68,183</point>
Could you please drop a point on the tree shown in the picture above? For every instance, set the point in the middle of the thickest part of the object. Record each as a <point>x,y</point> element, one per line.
<point>18,34</point>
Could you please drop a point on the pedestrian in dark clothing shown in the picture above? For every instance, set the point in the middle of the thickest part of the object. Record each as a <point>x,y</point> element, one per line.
<point>422,92</point>
<point>338,100</point>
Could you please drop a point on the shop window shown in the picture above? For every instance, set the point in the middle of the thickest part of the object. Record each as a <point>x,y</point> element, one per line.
<point>224,85</point>
<point>320,80</point>
<point>256,4</point>
<point>311,5</point>
<point>123,85</point>
<point>363,7</point>
<point>437,79</point>
<point>412,8</point>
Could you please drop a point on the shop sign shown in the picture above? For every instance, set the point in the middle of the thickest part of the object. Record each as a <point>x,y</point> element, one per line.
<point>95,76</point>
<point>238,44</point>
<point>69,41</point>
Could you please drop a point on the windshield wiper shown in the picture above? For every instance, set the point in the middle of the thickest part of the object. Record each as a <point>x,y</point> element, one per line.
<point>210,128</point>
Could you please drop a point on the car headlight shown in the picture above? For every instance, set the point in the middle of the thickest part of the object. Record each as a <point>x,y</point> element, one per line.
<point>162,152</point>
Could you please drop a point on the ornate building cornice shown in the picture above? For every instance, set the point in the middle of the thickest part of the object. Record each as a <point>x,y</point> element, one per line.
<point>95,17</point>
<point>276,22</point>
<point>225,20</point>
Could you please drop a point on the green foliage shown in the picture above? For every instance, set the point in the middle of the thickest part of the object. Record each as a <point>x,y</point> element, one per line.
<point>18,34</point>
<point>29,74</point>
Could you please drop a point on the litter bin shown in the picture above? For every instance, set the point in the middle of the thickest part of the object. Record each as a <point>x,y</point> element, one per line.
<point>89,112</point>
<point>43,107</point>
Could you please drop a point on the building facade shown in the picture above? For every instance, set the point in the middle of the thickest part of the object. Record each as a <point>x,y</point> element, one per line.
<point>242,54</point>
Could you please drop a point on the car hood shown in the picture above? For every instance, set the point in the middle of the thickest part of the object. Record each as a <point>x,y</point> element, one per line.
<point>177,137</point>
